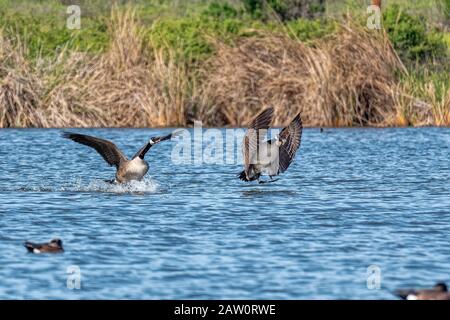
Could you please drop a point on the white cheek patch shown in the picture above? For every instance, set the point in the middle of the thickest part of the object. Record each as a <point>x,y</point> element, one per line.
<point>411,297</point>
<point>36,250</point>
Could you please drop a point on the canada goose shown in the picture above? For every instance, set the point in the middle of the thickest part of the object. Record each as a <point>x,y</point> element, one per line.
<point>127,170</point>
<point>53,246</point>
<point>438,292</point>
<point>270,157</point>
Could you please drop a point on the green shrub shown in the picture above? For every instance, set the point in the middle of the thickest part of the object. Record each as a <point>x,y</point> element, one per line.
<point>254,8</point>
<point>446,8</point>
<point>44,34</point>
<point>410,36</point>
<point>190,37</point>
<point>220,11</point>
<point>306,30</point>
<point>285,9</point>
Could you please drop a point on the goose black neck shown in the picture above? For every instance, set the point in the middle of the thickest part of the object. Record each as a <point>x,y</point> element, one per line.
<point>144,150</point>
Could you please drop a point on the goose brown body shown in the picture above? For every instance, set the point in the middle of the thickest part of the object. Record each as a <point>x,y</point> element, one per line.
<point>53,246</point>
<point>270,157</point>
<point>126,170</point>
<point>438,292</point>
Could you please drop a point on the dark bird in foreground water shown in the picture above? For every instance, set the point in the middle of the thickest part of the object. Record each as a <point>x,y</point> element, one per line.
<point>126,170</point>
<point>270,157</point>
<point>53,246</point>
<point>438,292</point>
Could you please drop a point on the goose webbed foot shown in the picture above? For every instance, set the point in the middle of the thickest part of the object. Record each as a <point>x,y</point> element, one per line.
<point>267,181</point>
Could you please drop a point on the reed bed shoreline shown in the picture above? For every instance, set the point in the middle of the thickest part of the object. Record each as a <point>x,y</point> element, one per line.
<point>347,79</point>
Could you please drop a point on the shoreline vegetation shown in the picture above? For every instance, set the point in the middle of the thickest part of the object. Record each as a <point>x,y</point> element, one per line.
<point>145,64</point>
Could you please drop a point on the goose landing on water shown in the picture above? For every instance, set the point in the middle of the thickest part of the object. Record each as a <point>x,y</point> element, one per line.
<point>127,170</point>
<point>270,157</point>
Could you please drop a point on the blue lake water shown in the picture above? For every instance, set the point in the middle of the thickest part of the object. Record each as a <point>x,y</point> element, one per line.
<point>353,198</point>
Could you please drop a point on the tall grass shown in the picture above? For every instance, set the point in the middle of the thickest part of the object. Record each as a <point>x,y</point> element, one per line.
<point>346,78</point>
<point>20,88</point>
<point>423,99</point>
<point>130,85</point>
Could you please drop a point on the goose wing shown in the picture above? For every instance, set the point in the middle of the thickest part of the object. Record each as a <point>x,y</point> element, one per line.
<point>290,139</point>
<point>254,135</point>
<point>107,149</point>
<point>30,246</point>
<point>404,293</point>
<point>423,294</point>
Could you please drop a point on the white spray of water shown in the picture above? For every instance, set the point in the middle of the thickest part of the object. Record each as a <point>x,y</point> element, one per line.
<point>147,185</point>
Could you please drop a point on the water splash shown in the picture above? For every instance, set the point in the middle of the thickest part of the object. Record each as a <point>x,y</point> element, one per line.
<point>144,186</point>
<point>147,185</point>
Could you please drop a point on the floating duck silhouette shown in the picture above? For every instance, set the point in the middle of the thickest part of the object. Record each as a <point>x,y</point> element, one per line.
<point>270,157</point>
<point>438,292</point>
<point>126,170</point>
<point>53,246</point>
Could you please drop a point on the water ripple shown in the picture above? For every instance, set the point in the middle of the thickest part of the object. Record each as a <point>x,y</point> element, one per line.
<point>353,198</point>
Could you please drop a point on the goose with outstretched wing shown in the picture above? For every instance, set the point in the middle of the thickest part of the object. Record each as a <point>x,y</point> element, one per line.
<point>126,170</point>
<point>270,157</point>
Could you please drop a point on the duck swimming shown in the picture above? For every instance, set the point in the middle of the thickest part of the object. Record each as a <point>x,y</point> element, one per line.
<point>438,292</point>
<point>53,246</point>
<point>270,157</point>
<point>126,170</point>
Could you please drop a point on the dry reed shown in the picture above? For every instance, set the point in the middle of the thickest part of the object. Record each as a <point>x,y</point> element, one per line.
<point>346,79</point>
<point>130,85</point>
<point>343,81</point>
<point>20,88</point>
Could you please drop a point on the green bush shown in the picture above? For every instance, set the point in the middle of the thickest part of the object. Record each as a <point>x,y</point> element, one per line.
<point>306,30</point>
<point>220,11</point>
<point>446,5</point>
<point>44,34</point>
<point>254,8</point>
<point>189,37</point>
<point>410,36</point>
<point>285,9</point>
